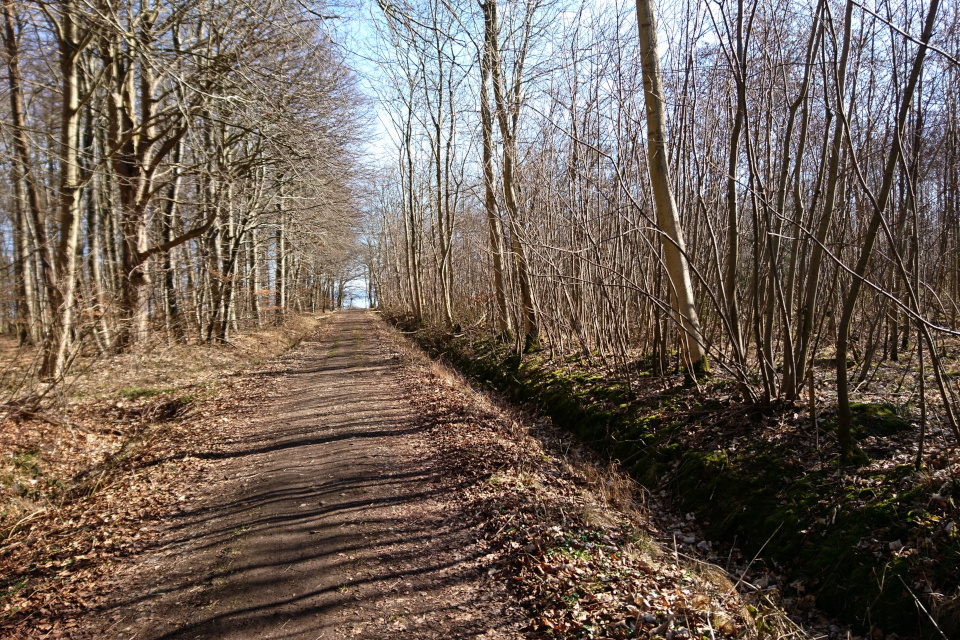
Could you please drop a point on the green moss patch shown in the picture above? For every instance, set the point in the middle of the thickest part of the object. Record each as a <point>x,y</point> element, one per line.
<point>838,537</point>
<point>853,536</point>
<point>881,420</point>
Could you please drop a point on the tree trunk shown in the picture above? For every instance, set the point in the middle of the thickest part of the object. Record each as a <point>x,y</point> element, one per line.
<point>255,278</point>
<point>809,307</point>
<point>280,276</point>
<point>844,413</point>
<point>62,298</point>
<point>668,218</point>
<point>731,304</point>
<point>531,328</point>
<point>28,323</point>
<point>174,321</point>
<point>504,323</point>
<point>24,174</point>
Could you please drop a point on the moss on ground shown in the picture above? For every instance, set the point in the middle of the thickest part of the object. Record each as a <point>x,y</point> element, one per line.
<point>820,527</point>
<point>876,420</point>
<point>813,524</point>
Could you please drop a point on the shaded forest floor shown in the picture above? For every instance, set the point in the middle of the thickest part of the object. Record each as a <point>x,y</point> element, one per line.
<point>72,500</point>
<point>108,407</point>
<point>352,488</point>
<point>875,545</point>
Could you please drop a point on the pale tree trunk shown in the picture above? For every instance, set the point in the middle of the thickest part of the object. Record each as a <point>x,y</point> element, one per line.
<point>668,218</point>
<point>413,235</point>
<point>450,200</point>
<point>136,292</point>
<point>96,272</point>
<point>504,323</point>
<point>110,233</point>
<point>280,276</point>
<point>174,321</point>
<point>195,289</point>
<point>28,322</point>
<point>24,176</point>
<point>62,299</point>
<point>443,228</point>
<point>28,329</point>
<point>216,279</point>
<point>255,277</point>
<point>531,328</point>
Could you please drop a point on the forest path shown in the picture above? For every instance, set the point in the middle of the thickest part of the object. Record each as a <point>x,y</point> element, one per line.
<point>331,519</point>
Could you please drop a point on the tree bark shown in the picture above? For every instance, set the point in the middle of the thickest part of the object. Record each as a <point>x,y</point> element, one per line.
<point>23,163</point>
<point>504,323</point>
<point>844,413</point>
<point>668,218</point>
<point>174,321</point>
<point>505,112</point>
<point>62,298</point>
<point>811,290</point>
<point>280,271</point>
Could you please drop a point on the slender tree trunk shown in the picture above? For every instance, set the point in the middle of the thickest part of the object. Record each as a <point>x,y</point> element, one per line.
<point>95,259</point>
<point>504,323</point>
<point>255,278</point>
<point>411,227</point>
<point>844,413</point>
<point>62,299</point>
<point>28,322</point>
<point>790,385</point>
<point>668,218</point>
<point>731,304</point>
<point>808,310</point>
<point>215,280</point>
<point>531,327</point>
<point>24,164</point>
<point>174,321</point>
<point>280,275</point>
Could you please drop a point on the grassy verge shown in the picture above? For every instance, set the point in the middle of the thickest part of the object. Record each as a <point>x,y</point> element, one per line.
<point>867,544</point>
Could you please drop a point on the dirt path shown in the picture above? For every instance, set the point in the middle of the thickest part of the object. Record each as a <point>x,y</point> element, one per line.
<point>328,518</point>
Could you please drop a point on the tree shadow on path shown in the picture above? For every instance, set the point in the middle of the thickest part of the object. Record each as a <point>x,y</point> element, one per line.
<point>328,520</point>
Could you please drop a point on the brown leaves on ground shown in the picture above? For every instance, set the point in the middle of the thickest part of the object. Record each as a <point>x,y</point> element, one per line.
<point>583,567</point>
<point>89,482</point>
<point>56,564</point>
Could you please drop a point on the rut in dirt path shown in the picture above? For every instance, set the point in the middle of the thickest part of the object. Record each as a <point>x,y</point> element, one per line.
<point>330,521</point>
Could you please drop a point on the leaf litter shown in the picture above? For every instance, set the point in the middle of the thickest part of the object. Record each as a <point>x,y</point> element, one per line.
<point>576,539</point>
<point>586,551</point>
<point>86,484</point>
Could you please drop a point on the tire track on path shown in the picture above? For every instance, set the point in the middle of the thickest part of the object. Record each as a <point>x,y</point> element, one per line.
<point>326,520</point>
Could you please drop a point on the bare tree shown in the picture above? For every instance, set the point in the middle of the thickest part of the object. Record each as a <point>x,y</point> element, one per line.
<point>674,248</point>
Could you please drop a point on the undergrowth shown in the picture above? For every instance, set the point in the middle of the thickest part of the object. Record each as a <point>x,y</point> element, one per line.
<point>869,542</point>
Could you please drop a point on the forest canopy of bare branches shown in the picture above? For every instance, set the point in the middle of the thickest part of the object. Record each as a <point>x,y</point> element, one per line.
<point>713,245</point>
<point>181,168</point>
<point>544,153</point>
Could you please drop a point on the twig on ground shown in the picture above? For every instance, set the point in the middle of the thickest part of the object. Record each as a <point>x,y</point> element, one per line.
<point>12,530</point>
<point>922,608</point>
